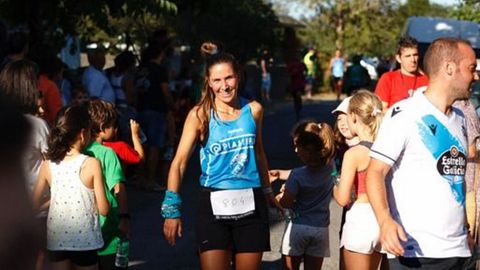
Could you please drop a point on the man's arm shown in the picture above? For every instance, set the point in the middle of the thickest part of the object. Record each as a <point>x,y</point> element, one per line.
<point>390,231</point>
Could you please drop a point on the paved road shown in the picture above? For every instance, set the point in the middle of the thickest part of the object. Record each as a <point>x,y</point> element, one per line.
<point>149,249</point>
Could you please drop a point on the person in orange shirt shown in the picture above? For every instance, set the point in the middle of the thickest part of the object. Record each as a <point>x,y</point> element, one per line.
<point>52,97</point>
<point>400,84</point>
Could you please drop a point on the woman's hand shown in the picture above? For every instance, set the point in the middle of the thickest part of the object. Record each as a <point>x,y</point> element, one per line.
<point>272,202</point>
<point>171,228</point>
<point>273,175</point>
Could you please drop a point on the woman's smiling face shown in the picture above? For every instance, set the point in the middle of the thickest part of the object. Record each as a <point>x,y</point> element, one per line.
<point>343,126</point>
<point>223,81</point>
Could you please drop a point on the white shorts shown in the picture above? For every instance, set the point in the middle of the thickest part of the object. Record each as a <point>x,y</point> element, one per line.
<point>299,240</point>
<point>361,232</point>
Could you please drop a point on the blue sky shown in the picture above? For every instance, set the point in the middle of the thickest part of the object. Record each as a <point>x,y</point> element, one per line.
<point>297,10</point>
<point>445,2</point>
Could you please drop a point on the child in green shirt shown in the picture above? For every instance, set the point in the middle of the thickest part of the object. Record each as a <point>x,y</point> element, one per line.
<point>116,224</point>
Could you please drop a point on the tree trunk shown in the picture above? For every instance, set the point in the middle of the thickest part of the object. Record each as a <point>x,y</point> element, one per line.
<point>340,24</point>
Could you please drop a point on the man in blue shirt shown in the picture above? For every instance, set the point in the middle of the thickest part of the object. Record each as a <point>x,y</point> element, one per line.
<point>94,79</point>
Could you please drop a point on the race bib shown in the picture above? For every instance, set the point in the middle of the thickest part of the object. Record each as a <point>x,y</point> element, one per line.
<point>232,204</point>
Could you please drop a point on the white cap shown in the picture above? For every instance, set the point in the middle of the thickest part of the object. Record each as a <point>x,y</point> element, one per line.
<point>343,106</point>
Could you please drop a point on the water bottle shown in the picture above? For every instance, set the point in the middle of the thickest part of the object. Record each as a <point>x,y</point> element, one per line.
<point>121,258</point>
<point>289,214</point>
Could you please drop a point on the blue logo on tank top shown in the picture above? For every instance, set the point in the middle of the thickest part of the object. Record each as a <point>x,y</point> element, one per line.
<point>238,164</point>
<point>448,151</point>
<point>233,144</point>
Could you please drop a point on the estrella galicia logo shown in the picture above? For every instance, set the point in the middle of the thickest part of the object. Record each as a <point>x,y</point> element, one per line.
<point>452,163</point>
<point>448,151</point>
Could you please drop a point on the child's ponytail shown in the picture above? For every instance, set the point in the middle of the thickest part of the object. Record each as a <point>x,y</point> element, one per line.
<point>319,138</point>
<point>328,138</point>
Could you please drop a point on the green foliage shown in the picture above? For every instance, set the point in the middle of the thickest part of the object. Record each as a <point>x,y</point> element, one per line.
<point>241,26</point>
<point>468,10</point>
<point>370,27</point>
<point>94,20</point>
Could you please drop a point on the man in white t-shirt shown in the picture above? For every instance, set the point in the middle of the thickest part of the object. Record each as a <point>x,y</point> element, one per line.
<point>415,180</point>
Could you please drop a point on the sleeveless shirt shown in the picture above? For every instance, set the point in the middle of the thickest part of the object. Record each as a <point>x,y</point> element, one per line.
<point>360,185</point>
<point>337,67</point>
<point>73,221</point>
<point>227,159</point>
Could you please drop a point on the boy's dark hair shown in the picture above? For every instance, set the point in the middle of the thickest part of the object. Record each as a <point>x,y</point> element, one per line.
<point>69,123</point>
<point>406,42</point>
<point>102,114</point>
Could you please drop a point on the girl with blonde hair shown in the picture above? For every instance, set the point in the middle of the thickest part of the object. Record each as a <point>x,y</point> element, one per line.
<point>360,234</point>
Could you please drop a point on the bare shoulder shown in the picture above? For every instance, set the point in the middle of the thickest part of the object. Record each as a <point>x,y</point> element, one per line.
<point>256,107</point>
<point>195,114</point>
<point>353,153</point>
<point>91,163</point>
<point>194,117</point>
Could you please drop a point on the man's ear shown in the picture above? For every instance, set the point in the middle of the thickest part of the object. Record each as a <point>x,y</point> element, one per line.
<point>397,57</point>
<point>450,67</point>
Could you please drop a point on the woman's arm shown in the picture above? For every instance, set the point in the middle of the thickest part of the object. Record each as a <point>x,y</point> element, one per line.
<point>191,132</point>
<point>343,190</point>
<point>276,174</point>
<point>286,199</point>
<point>261,158</point>
<point>188,140</point>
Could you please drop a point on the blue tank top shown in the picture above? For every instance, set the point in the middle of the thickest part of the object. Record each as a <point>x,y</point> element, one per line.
<point>227,159</point>
<point>337,68</point>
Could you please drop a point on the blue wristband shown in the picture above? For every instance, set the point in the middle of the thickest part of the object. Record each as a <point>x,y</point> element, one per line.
<point>171,205</point>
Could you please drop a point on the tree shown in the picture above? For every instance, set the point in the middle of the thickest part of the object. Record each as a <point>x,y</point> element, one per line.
<point>242,26</point>
<point>50,21</point>
<point>370,27</point>
<point>352,25</point>
<point>468,10</point>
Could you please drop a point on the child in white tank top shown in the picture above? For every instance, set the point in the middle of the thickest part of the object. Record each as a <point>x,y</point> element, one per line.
<point>77,193</point>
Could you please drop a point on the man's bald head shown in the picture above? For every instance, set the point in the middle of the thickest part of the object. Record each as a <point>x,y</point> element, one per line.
<point>440,51</point>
